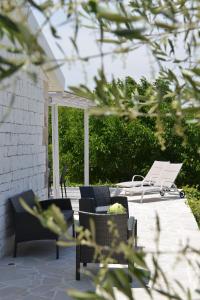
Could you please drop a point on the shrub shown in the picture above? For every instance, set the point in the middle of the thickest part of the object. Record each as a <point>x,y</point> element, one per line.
<point>193,199</point>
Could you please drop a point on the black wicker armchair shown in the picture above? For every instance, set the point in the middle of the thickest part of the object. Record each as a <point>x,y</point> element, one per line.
<point>28,228</point>
<point>103,236</point>
<point>97,199</point>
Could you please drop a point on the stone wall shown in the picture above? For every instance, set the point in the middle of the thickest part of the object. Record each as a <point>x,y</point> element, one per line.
<point>23,144</point>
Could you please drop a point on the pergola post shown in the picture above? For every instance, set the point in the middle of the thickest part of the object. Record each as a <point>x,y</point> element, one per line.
<point>86,147</point>
<point>67,99</point>
<point>55,151</point>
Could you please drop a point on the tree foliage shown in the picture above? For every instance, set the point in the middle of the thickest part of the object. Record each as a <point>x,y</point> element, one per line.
<point>120,148</point>
<point>162,26</point>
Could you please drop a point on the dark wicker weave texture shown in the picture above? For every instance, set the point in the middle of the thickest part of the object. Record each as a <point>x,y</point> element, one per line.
<point>103,236</point>
<point>98,196</point>
<point>28,228</point>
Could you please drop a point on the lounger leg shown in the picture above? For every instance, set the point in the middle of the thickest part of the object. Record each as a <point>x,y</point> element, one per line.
<point>175,188</point>
<point>77,262</point>
<point>135,234</point>
<point>15,249</point>
<point>142,196</point>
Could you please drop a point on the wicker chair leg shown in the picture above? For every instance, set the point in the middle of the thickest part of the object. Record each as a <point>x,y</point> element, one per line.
<point>61,186</point>
<point>129,274</point>
<point>15,249</point>
<point>57,251</point>
<point>77,262</point>
<point>65,190</point>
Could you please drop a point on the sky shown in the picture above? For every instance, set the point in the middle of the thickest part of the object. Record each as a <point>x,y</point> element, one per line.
<point>137,64</point>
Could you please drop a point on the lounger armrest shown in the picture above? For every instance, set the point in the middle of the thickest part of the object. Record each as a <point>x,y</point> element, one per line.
<point>140,176</point>
<point>146,182</point>
<point>87,205</point>
<point>62,203</point>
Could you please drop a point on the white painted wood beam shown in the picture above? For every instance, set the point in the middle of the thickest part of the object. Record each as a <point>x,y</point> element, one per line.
<point>55,151</point>
<point>86,147</point>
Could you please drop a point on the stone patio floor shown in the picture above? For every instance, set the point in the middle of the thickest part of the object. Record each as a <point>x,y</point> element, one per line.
<point>35,274</point>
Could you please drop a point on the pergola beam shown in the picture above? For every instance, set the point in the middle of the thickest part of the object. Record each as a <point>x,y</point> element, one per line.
<point>70,100</point>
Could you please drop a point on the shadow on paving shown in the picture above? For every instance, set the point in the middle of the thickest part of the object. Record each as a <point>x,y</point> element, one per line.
<point>154,198</point>
<point>35,274</point>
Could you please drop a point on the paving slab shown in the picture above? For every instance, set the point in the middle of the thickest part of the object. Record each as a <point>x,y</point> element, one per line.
<point>36,274</point>
<point>177,229</point>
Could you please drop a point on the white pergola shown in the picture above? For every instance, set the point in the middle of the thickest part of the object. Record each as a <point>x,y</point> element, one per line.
<point>69,100</point>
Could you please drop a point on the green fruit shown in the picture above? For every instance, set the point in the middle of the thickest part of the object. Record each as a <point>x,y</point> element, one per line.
<point>117,208</point>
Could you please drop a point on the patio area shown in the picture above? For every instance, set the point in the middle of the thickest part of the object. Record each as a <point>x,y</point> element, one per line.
<point>36,274</point>
<point>99,92</point>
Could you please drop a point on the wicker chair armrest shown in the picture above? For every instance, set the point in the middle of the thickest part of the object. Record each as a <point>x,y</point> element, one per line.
<point>62,203</point>
<point>22,214</point>
<point>87,205</point>
<point>28,227</point>
<point>131,224</point>
<point>24,218</point>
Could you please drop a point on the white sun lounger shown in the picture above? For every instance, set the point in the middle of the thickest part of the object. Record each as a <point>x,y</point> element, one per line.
<point>151,177</point>
<point>165,183</point>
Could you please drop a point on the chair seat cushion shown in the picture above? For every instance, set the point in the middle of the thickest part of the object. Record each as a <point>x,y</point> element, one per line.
<point>68,214</point>
<point>100,209</point>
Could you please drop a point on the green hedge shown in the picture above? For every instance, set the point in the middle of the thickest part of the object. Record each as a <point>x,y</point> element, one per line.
<point>121,148</point>
<point>193,200</point>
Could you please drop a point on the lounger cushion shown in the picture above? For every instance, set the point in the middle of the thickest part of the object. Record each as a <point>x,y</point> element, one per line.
<point>130,184</point>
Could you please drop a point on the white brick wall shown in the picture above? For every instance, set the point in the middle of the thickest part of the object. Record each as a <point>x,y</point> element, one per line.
<point>23,154</point>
